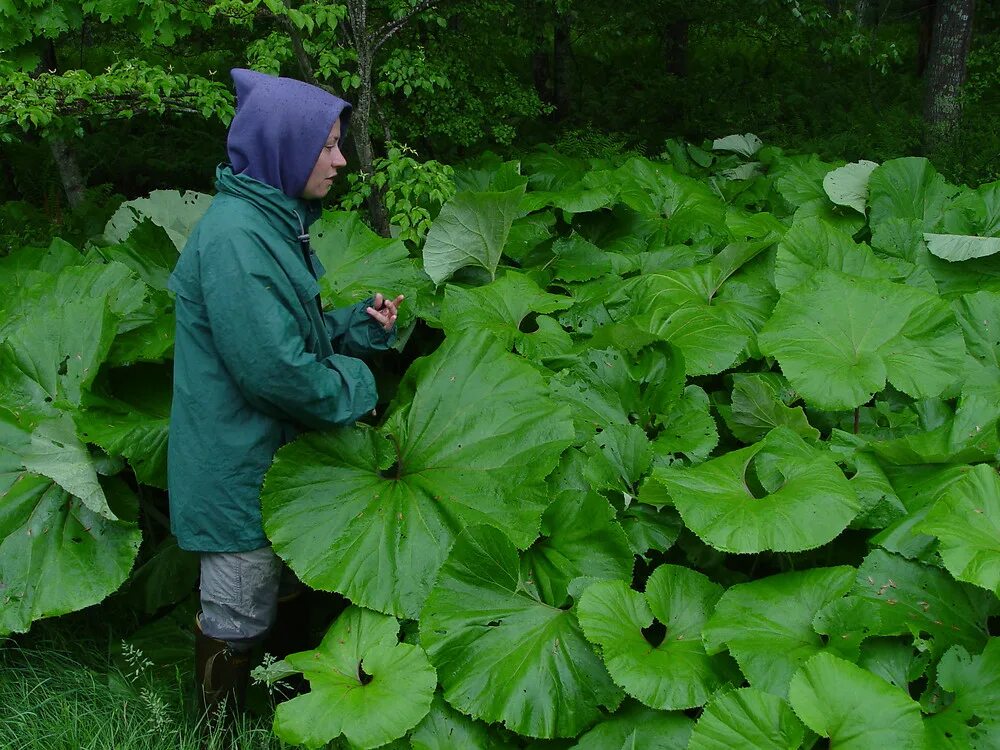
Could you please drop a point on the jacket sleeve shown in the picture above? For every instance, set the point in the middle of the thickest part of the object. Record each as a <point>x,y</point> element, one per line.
<point>250,309</point>
<point>353,332</point>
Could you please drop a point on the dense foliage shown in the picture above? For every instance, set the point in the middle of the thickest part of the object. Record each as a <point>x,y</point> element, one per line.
<point>690,453</point>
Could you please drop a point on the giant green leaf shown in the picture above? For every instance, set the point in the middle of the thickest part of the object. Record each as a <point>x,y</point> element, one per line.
<point>177,212</point>
<point>718,505</point>
<point>687,308</point>
<point>746,145</point>
<point>854,708</point>
<point>444,728</point>
<point>359,263</point>
<point>848,185</point>
<point>959,247</point>
<point>615,386</point>
<point>635,727</point>
<point>501,307</point>
<point>372,514</point>
<point>61,548</point>
<point>147,251</point>
<point>908,188</point>
<point>840,338</point>
<point>966,520</point>
<point>135,424</point>
<point>910,598</point>
<point>692,210</point>
<point>674,673</point>
<point>761,402</point>
<point>503,655</point>
<point>767,625</point>
<point>470,231</point>
<point>812,244</point>
<point>688,429</point>
<point>580,537</point>
<point>364,684</point>
<point>747,718</point>
<point>971,718</point>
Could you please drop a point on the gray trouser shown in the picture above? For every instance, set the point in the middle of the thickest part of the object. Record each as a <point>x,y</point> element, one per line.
<point>239,594</point>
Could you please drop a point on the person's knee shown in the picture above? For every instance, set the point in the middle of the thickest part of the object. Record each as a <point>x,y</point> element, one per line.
<point>239,593</point>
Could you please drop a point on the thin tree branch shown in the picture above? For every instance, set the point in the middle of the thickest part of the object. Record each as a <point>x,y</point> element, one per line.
<point>305,64</point>
<point>390,28</point>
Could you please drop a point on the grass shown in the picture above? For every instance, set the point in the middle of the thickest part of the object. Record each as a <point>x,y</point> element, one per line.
<point>63,688</point>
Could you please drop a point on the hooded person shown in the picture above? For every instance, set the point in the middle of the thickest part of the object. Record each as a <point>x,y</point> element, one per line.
<point>257,359</point>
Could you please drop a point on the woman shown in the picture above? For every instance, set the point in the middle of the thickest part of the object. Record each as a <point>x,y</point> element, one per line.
<point>256,359</point>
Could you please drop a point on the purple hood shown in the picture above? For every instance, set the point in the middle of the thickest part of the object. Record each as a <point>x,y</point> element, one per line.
<point>280,127</point>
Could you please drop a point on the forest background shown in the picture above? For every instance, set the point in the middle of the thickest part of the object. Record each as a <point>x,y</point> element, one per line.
<point>113,98</point>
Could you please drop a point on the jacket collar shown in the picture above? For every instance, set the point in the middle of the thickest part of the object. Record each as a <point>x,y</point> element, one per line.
<point>292,216</point>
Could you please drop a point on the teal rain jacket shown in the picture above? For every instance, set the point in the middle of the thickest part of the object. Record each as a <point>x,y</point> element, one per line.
<point>254,363</point>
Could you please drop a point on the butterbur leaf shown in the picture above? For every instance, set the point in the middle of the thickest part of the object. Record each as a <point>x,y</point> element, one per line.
<point>971,718</point>
<point>746,145</point>
<point>58,553</point>
<point>662,670</point>
<point>364,684</point>
<point>619,457</point>
<point>372,516</point>
<point>718,505</point>
<point>854,708</point>
<point>896,662</point>
<point>176,211</point>
<point>500,308</point>
<point>136,429</point>
<point>579,260</point>
<point>503,655</point>
<point>767,625</point>
<point>688,428</point>
<point>747,717</point>
<point>649,528</point>
<point>966,521</point>
<point>959,247</point>
<point>444,728</point>
<point>848,185</point>
<point>635,727</point>
<point>908,189</point>
<point>148,252</point>
<point>359,263</point>
<point>470,231</point>
<point>580,537</point>
<point>758,406</point>
<point>839,338</point>
<point>812,244</point>
<point>911,598</point>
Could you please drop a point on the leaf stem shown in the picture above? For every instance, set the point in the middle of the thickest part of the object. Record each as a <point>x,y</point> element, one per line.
<point>857,419</point>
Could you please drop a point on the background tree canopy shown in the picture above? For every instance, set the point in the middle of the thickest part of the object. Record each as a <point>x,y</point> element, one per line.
<point>132,95</point>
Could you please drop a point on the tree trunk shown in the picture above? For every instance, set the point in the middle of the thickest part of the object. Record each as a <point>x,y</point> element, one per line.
<point>561,53</point>
<point>69,170</point>
<point>357,12</point>
<point>946,70</point>
<point>862,12</point>
<point>675,47</point>
<point>63,153</point>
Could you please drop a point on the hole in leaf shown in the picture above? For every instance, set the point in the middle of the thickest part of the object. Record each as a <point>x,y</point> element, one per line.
<point>529,323</point>
<point>993,625</point>
<point>655,633</point>
<point>77,540</point>
<point>391,473</point>
<point>62,366</point>
<point>593,366</point>
<point>752,482</point>
<point>363,677</point>
<point>974,721</point>
<point>494,623</point>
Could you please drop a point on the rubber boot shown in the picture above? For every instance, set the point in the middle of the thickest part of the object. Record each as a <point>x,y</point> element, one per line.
<point>221,677</point>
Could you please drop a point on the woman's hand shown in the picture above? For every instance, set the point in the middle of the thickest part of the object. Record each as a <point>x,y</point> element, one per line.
<point>383,311</point>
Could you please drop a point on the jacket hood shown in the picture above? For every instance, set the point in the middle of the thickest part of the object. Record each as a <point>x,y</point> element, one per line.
<point>280,126</point>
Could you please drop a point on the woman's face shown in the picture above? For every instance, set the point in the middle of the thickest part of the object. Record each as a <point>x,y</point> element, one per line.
<point>325,169</point>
